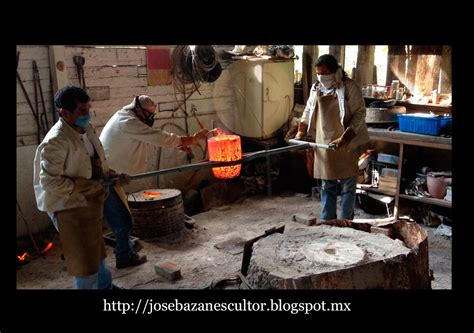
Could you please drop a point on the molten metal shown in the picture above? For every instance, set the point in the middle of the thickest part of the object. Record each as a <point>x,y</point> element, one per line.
<point>225,148</point>
<point>22,257</point>
<point>151,194</point>
<point>47,248</point>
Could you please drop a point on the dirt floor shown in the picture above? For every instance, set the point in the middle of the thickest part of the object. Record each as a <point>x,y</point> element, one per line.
<point>200,261</point>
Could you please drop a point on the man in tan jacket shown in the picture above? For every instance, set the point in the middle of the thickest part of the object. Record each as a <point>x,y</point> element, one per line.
<point>69,166</point>
<point>335,112</point>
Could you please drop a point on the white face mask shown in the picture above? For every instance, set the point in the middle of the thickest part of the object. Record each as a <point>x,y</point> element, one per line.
<point>327,80</point>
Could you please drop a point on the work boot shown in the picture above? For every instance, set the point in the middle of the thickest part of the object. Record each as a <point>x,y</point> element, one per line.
<point>134,260</point>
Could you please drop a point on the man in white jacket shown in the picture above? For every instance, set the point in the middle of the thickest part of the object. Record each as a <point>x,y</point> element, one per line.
<point>69,166</point>
<point>125,138</point>
<point>335,110</point>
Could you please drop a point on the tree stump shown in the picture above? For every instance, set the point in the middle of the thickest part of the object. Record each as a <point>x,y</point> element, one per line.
<point>331,257</point>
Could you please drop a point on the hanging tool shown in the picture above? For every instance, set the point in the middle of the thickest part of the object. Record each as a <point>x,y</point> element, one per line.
<point>54,116</point>
<point>79,61</point>
<point>35,116</point>
<point>43,116</point>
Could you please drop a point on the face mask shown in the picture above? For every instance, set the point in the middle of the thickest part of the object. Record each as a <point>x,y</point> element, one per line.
<point>327,80</point>
<point>150,121</point>
<point>83,121</point>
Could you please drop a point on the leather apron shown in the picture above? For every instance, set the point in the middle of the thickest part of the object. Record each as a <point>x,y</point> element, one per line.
<point>80,232</point>
<point>332,164</point>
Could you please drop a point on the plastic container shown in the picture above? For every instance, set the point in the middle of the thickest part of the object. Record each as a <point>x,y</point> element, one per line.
<point>423,124</point>
<point>386,158</point>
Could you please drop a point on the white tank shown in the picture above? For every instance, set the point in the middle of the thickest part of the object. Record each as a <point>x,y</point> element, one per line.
<point>263,92</point>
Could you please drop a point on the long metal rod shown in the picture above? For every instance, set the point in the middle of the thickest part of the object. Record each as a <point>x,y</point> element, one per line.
<point>208,164</point>
<point>312,144</point>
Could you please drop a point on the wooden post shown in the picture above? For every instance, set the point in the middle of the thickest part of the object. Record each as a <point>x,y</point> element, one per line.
<point>445,84</point>
<point>411,70</point>
<point>365,64</point>
<point>396,63</point>
<point>310,54</point>
<point>58,67</point>
<point>338,52</point>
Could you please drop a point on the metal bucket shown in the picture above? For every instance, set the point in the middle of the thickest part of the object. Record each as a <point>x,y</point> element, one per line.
<point>157,213</point>
<point>383,115</point>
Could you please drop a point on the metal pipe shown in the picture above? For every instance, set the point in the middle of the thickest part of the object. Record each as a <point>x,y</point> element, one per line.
<point>208,164</point>
<point>312,144</point>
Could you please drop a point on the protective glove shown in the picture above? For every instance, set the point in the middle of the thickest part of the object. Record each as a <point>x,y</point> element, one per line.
<point>344,139</point>
<point>188,151</point>
<point>291,133</point>
<point>123,178</point>
<point>87,186</point>
<point>187,141</point>
<point>202,134</point>
<point>302,128</point>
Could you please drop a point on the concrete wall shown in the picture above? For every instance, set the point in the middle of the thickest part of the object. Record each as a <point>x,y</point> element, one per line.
<point>120,74</point>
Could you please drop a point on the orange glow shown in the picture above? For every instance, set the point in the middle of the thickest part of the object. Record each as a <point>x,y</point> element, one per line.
<point>224,148</point>
<point>22,257</point>
<point>151,194</point>
<point>47,248</point>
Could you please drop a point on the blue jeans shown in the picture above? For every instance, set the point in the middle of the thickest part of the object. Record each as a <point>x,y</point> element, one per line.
<point>120,221</point>
<point>329,198</point>
<point>100,280</point>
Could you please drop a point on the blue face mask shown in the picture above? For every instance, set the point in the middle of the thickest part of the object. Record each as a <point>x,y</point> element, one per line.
<point>83,121</point>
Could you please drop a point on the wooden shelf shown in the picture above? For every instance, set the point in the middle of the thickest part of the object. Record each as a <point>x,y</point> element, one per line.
<point>375,190</point>
<point>402,139</point>
<point>431,201</point>
<point>437,108</point>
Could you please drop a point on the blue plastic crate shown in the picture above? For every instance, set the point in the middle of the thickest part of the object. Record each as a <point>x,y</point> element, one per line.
<point>423,125</point>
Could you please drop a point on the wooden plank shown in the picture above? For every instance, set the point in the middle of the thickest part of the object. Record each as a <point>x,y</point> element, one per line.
<point>412,142</point>
<point>57,56</point>
<point>24,108</point>
<point>29,87</point>
<point>131,55</point>
<point>104,71</point>
<point>399,178</point>
<point>93,56</point>
<point>26,125</point>
<point>163,92</point>
<point>431,201</point>
<point>26,140</point>
<point>116,82</point>
<point>26,63</point>
<point>26,74</point>
<point>99,93</point>
<point>33,52</point>
<point>410,138</point>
